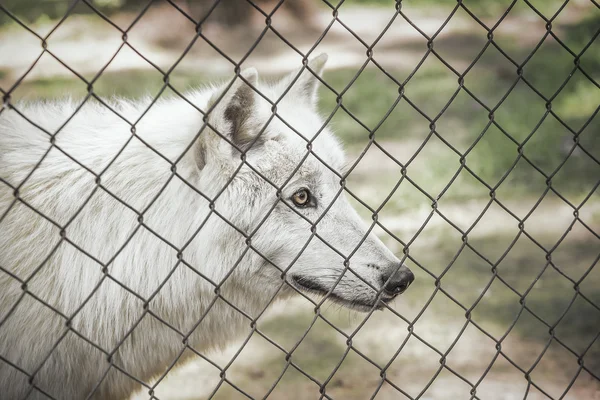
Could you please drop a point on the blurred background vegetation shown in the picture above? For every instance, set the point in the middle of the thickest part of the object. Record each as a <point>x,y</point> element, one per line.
<point>498,255</point>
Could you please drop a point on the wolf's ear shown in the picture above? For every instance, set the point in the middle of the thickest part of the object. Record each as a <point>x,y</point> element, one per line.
<point>231,114</point>
<point>234,108</point>
<point>305,88</point>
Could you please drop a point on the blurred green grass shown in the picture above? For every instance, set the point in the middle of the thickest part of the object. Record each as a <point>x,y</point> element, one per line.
<point>130,83</point>
<point>373,95</point>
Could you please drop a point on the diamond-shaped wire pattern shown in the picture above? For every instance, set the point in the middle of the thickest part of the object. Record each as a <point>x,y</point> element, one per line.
<point>463,305</point>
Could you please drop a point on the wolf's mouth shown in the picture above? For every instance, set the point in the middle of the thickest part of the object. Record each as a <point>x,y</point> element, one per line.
<point>311,286</point>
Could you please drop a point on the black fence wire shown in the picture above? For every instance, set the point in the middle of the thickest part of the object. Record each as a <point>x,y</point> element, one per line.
<point>371,60</point>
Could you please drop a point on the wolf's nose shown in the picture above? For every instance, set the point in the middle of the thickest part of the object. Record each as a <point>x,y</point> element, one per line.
<point>399,281</point>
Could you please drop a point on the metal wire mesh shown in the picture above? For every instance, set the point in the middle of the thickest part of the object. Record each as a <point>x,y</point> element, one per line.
<point>370,59</point>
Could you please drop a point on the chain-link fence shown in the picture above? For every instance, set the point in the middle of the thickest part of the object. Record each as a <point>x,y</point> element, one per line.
<point>474,151</point>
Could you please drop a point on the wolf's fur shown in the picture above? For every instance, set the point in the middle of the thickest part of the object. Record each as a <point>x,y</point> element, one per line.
<point>116,330</point>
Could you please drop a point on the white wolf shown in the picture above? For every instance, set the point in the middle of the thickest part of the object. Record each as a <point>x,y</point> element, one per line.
<point>120,248</point>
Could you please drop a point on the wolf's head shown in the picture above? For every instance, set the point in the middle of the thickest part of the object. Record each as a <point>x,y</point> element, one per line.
<point>278,174</point>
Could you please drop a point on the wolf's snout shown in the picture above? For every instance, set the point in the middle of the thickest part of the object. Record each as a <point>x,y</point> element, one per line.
<point>398,280</point>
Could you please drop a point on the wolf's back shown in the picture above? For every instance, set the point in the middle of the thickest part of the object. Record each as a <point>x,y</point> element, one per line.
<point>73,183</point>
<point>48,159</point>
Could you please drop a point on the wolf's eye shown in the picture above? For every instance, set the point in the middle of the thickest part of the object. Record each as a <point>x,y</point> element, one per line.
<point>301,198</point>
